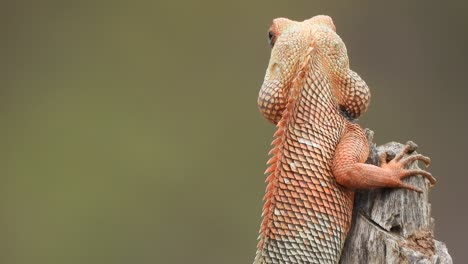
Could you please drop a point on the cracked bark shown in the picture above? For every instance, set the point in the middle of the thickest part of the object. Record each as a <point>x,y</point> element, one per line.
<point>393,225</point>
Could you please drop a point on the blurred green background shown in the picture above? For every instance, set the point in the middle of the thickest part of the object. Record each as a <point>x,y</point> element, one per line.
<point>131,133</point>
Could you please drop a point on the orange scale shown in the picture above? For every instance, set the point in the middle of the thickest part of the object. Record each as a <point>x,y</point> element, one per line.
<point>331,213</point>
<point>322,170</point>
<point>282,186</point>
<point>307,149</point>
<point>335,200</point>
<point>303,183</point>
<point>306,217</point>
<point>302,159</point>
<point>294,141</point>
<point>298,176</point>
<point>288,160</point>
<point>324,197</point>
<point>308,153</point>
<point>301,170</point>
<point>332,206</point>
<point>286,153</point>
<point>303,223</point>
<point>280,192</point>
<point>319,202</point>
<point>295,221</point>
<point>306,165</point>
<point>309,159</point>
<point>295,182</point>
<point>279,206</point>
<point>300,203</point>
<point>273,230</point>
<point>295,195</point>
<point>319,175</point>
<point>303,211</point>
<point>299,190</point>
<point>294,208</point>
<point>294,169</point>
<point>298,150</point>
<point>283,200</point>
<point>316,162</point>
<point>319,188</point>
<point>290,175</point>
<point>282,216</point>
<point>311,172</point>
<point>315,194</point>
<point>332,201</point>
<point>285,167</point>
<point>314,218</point>
<point>322,210</point>
<point>289,141</point>
<point>312,184</point>
<point>294,156</point>
<point>328,192</point>
<point>303,196</point>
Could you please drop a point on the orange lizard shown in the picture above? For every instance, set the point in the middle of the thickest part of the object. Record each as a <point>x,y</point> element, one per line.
<point>318,152</point>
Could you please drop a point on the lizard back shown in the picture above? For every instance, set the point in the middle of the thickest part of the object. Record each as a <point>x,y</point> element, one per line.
<point>307,214</point>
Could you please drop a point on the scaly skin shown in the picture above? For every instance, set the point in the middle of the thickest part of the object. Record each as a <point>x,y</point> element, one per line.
<point>318,153</point>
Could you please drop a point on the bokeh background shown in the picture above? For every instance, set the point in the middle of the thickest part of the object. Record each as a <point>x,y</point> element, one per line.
<point>130,132</point>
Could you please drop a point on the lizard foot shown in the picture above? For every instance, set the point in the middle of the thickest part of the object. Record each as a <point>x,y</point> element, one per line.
<point>397,165</point>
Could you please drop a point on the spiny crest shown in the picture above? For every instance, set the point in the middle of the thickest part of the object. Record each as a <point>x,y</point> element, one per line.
<point>272,170</point>
<point>272,179</point>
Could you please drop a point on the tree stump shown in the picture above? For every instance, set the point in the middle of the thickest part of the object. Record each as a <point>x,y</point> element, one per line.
<point>393,225</point>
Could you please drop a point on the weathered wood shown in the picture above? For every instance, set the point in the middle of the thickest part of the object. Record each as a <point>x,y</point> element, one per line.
<point>393,225</point>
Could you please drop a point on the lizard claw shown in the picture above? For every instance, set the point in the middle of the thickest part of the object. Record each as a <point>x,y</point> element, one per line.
<point>424,159</point>
<point>425,174</point>
<point>397,166</point>
<point>410,187</point>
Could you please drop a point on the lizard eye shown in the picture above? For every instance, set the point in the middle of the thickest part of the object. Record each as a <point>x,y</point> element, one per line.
<point>271,38</point>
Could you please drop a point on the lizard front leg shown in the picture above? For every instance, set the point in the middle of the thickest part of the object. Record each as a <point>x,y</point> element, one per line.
<point>350,170</point>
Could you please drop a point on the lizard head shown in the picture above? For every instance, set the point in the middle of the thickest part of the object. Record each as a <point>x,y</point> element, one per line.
<point>299,48</point>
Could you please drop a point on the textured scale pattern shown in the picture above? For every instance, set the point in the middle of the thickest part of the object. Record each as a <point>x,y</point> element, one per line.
<point>307,201</point>
<point>306,215</point>
<point>318,154</point>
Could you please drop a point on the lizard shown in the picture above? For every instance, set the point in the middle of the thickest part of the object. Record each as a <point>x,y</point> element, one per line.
<point>319,151</point>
